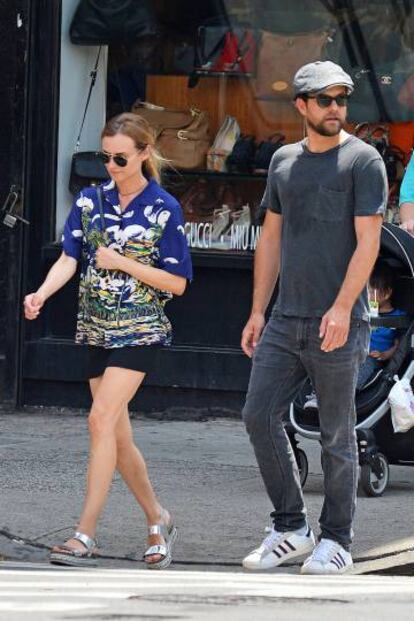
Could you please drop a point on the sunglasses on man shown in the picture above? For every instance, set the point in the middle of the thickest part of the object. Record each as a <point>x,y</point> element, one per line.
<point>324,101</point>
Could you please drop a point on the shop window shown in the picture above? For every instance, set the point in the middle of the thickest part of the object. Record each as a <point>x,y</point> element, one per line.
<point>228,65</point>
<point>76,64</point>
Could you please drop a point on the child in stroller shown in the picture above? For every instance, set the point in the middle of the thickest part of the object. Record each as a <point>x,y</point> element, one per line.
<point>378,445</point>
<point>384,340</point>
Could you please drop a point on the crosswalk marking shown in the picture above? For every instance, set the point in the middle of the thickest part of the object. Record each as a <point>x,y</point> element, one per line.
<point>66,590</point>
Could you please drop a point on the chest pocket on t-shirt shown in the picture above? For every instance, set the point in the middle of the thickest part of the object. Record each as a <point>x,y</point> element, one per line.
<point>331,205</point>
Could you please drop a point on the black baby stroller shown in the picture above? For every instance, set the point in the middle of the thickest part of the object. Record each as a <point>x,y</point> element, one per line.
<point>378,445</point>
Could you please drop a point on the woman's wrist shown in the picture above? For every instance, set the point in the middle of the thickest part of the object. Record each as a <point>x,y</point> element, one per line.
<point>126,264</point>
<point>42,293</point>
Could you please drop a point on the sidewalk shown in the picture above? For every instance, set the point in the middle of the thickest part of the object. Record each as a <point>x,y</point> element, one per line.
<point>204,472</point>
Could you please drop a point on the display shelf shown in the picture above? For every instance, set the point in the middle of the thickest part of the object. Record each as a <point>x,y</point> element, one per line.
<point>214,174</point>
<point>199,73</point>
<point>206,73</point>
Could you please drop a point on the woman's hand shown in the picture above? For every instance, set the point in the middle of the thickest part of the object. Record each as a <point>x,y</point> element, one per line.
<point>32,305</point>
<point>109,259</point>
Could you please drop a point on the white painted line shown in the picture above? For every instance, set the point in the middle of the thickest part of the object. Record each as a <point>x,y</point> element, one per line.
<point>275,589</point>
<point>46,607</point>
<point>179,576</point>
<point>104,594</point>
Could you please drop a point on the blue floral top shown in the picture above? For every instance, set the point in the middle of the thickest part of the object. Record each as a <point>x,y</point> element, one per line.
<point>115,309</point>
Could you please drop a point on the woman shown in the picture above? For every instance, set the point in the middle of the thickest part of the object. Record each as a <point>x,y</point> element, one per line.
<point>129,236</point>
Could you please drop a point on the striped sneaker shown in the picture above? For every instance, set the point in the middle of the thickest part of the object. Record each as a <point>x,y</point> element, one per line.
<point>279,547</point>
<point>329,557</point>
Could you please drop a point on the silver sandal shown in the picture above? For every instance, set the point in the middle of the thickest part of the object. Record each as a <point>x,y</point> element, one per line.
<point>76,558</point>
<point>169,533</point>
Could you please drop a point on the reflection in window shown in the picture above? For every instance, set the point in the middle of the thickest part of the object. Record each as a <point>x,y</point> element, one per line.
<point>218,78</point>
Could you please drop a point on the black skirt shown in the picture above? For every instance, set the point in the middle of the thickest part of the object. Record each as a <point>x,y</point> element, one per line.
<point>139,358</point>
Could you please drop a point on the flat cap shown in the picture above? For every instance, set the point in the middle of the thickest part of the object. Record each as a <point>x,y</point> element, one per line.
<point>319,75</point>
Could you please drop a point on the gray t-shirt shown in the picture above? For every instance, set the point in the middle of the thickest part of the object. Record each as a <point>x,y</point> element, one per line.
<point>318,195</point>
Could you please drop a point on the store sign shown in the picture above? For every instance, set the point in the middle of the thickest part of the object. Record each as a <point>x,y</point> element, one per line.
<point>238,237</point>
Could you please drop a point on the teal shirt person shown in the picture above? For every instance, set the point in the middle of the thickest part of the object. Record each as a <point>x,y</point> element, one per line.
<point>406,201</point>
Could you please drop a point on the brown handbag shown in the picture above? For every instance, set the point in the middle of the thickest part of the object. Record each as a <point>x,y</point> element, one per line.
<point>280,56</point>
<point>182,136</point>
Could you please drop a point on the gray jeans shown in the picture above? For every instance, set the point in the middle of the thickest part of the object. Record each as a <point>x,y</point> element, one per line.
<point>289,351</point>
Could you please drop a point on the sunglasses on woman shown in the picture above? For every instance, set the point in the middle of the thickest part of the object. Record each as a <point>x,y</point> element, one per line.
<point>324,101</point>
<point>120,160</point>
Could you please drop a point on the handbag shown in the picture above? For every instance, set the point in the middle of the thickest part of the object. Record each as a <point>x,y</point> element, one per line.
<point>242,155</point>
<point>87,168</point>
<point>280,56</point>
<point>182,136</point>
<point>102,22</point>
<point>265,152</point>
<point>401,400</point>
<point>223,144</point>
<point>225,50</point>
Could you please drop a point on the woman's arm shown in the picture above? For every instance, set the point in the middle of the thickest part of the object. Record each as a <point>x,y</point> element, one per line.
<point>59,274</point>
<point>109,259</point>
<point>407,199</point>
<point>407,217</point>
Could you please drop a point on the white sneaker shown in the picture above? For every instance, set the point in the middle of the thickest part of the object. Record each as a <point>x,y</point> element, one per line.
<point>311,401</point>
<point>329,557</point>
<point>278,547</point>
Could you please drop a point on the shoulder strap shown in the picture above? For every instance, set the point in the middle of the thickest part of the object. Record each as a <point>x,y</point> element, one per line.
<point>93,75</point>
<point>100,205</point>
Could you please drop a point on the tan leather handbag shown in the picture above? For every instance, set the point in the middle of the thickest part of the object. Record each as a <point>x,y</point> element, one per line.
<point>280,56</point>
<point>182,136</point>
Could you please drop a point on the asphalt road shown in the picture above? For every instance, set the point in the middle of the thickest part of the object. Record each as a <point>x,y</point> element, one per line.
<point>204,472</point>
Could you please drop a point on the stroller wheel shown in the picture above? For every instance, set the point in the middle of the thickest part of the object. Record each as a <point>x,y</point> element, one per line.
<point>375,475</point>
<point>303,465</point>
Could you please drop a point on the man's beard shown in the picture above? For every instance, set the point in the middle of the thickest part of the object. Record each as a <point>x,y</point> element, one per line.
<point>322,130</point>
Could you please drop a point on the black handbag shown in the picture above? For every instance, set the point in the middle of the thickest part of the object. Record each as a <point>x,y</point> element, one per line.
<point>101,22</point>
<point>87,167</point>
<point>265,152</point>
<point>242,156</point>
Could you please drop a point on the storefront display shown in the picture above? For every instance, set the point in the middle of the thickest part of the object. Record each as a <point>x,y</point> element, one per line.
<point>223,112</point>
<point>214,79</point>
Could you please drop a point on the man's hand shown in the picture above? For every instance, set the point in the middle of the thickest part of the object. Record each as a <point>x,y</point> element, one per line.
<point>408,226</point>
<point>334,328</point>
<point>109,259</point>
<point>32,305</point>
<point>251,333</point>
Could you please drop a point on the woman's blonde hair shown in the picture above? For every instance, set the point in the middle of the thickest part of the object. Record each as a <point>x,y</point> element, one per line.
<point>140,131</point>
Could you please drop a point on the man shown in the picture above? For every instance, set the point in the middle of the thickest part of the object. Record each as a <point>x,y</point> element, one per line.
<point>324,202</point>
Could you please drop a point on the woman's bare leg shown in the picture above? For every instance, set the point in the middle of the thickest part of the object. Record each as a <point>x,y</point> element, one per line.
<point>132,467</point>
<point>115,390</point>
